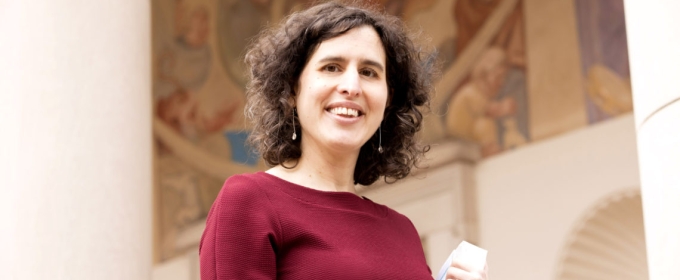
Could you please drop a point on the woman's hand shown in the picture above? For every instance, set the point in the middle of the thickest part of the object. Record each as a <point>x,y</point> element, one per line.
<point>463,271</point>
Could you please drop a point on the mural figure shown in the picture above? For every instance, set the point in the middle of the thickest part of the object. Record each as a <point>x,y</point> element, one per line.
<point>476,109</point>
<point>604,58</point>
<point>183,69</point>
<point>490,106</point>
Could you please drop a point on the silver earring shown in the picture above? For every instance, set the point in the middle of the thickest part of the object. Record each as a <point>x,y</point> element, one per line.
<point>380,149</point>
<point>294,134</point>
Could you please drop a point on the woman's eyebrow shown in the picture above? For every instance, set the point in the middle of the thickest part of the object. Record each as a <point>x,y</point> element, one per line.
<point>363,61</point>
<point>374,64</point>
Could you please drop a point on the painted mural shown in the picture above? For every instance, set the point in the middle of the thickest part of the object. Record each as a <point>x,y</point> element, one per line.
<point>481,96</point>
<point>604,58</point>
<point>489,106</point>
<point>198,123</point>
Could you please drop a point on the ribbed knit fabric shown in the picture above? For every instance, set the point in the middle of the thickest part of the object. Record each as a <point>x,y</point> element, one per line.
<point>263,227</point>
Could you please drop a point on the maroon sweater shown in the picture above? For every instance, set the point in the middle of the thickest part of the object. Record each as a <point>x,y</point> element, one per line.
<point>263,227</point>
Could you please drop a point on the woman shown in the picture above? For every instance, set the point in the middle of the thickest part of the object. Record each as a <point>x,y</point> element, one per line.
<point>334,98</point>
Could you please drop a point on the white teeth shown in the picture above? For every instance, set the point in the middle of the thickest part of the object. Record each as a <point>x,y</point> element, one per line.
<point>345,111</point>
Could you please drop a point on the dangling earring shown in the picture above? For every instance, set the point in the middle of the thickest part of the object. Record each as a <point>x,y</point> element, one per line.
<point>380,149</point>
<point>294,134</point>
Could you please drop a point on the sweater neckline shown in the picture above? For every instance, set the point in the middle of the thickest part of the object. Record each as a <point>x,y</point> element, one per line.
<point>332,199</point>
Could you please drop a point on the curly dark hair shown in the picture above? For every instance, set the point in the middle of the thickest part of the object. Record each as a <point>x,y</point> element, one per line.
<point>277,57</point>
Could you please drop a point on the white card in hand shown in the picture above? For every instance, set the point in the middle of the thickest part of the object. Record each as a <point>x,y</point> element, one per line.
<point>466,252</point>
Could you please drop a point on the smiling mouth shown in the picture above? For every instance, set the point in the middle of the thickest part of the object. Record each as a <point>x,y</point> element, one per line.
<point>345,112</point>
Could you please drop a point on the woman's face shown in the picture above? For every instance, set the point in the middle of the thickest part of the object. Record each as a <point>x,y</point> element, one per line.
<point>342,92</point>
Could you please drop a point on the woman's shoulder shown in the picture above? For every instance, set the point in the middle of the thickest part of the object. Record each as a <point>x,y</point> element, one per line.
<point>242,205</point>
<point>243,180</point>
<point>243,188</point>
<point>398,218</point>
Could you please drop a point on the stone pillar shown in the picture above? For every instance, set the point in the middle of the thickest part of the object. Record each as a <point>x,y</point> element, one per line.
<point>653,44</point>
<point>75,140</point>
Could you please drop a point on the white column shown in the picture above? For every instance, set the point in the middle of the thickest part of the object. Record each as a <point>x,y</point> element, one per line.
<point>654,44</point>
<point>75,140</point>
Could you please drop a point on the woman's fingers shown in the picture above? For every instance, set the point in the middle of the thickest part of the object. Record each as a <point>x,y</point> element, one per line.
<point>465,265</point>
<point>459,274</point>
<point>464,271</point>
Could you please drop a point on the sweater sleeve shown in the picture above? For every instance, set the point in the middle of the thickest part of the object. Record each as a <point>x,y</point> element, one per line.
<point>242,229</point>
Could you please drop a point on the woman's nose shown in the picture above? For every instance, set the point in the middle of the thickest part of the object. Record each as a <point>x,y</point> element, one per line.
<point>350,84</point>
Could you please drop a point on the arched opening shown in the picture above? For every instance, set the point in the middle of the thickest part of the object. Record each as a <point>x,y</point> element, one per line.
<point>608,242</point>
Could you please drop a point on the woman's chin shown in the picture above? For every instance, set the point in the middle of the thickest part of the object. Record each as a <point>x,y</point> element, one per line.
<point>347,147</point>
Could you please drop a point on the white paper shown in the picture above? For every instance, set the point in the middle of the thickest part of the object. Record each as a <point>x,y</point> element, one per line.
<point>467,253</point>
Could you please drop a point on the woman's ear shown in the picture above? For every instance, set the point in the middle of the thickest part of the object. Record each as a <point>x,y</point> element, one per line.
<point>292,100</point>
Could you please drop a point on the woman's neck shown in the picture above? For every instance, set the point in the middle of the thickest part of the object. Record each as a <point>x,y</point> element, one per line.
<point>321,169</point>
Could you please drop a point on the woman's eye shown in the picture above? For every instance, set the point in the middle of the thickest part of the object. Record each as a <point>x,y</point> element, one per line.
<point>331,68</point>
<point>368,73</point>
